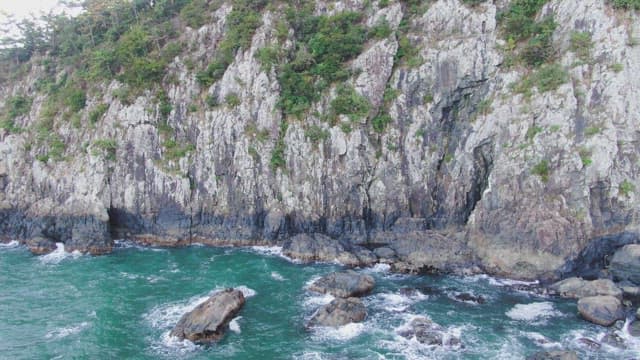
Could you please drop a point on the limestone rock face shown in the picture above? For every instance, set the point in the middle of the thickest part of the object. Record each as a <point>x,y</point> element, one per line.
<point>601,310</point>
<point>344,284</point>
<point>208,321</point>
<point>450,180</point>
<point>625,264</point>
<point>339,312</point>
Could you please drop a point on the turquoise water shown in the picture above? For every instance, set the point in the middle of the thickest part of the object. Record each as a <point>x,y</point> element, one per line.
<point>123,305</point>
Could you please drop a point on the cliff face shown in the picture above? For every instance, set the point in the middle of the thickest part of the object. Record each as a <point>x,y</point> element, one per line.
<point>518,183</point>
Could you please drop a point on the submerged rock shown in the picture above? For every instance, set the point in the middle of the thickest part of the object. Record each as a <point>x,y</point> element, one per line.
<point>634,328</point>
<point>466,297</point>
<point>429,333</point>
<point>576,288</point>
<point>613,339</point>
<point>590,343</point>
<point>601,310</point>
<point>208,321</point>
<point>339,312</point>
<point>554,355</point>
<point>344,284</point>
<point>625,264</point>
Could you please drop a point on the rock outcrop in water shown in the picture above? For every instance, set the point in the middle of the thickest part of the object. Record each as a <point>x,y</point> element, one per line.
<point>209,320</point>
<point>577,288</point>
<point>462,156</point>
<point>554,355</point>
<point>429,333</point>
<point>344,284</point>
<point>625,264</point>
<point>339,312</point>
<point>601,310</point>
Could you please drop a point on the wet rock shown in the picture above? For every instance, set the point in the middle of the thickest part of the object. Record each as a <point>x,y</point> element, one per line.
<point>208,321</point>
<point>613,339</point>
<point>625,264</point>
<point>318,247</point>
<point>339,312</point>
<point>630,291</point>
<point>554,355</point>
<point>638,314</point>
<point>39,245</point>
<point>344,284</point>
<point>466,297</point>
<point>385,254</point>
<point>576,288</point>
<point>589,343</point>
<point>601,310</point>
<point>427,332</point>
<point>421,251</point>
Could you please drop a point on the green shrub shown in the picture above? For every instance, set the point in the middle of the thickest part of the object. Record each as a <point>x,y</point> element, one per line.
<point>348,102</point>
<point>268,57</point>
<point>546,78</point>
<point>585,156</point>
<point>106,147</point>
<point>98,112</point>
<point>626,187</point>
<point>316,133</point>
<point>232,100</point>
<point>542,169</point>
<point>75,99</point>
<point>381,30</point>
<point>278,154</point>
<point>17,106</point>
<point>211,101</point>
<point>194,14</point>
<point>592,130</point>
<point>518,20</point>
<point>539,48</point>
<point>626,4</point>
<point>532,132</point>
<point>581,44</point>
<point>380,122</point>
<point>174,151</point>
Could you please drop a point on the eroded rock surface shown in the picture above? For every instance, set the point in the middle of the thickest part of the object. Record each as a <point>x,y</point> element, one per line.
<point>339,312</point>
<point>576,288</point>
<point>601,310</point>
<point>344,284</point>
<point>209,320</point>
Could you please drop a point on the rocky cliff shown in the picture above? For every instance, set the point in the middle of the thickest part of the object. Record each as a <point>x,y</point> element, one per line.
<point>460,155</point>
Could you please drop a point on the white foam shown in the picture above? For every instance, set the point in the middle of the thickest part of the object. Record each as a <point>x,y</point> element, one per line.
<point>167,315</point>
<point>498,281</point>
<point>234,325</point>
<point>395,302</point>
<point>63,332</point>
<point>314,301</point>
<point>59,254</point>
<point>542,340</point>
<point>534,312</point>
<point>276,276</point>
<point>9,245</point>
<point>341,333</point>
<point>247,292</point>
<point>173,347</point>
<point>380,268</point>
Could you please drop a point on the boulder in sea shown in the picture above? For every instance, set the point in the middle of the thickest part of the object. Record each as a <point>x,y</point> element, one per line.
<point>634,328</point>
<point>208,321</point>
<point>470,298</point>
<point>344,284</point>
<point>625,264</point>
<point>427,332</point>
<point>339,312</point>
<point>601,310</point>
<point>554,355</point>
<point>576,288</point>
<point>615,340</point>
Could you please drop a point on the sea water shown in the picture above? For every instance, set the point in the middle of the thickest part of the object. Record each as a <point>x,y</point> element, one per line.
<point>124,305</point>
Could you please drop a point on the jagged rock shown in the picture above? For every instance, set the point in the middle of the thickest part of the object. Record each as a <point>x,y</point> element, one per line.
<point>554,355</point>
<point>208,321</point>
<point>339,312</point>
<point>344,284</point>
<point>318,247</point>
<point>427,332</point>
<point>420,251</point>
<point>625,264</point>
<point>601,310</point>
<point>40,245</point>
<point>576,288</point>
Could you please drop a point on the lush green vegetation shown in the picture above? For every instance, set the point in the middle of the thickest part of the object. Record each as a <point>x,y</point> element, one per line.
<point>15,106</point>
<point>241,23</point>
<point>542,169</point>
<point>581,44</point>
<point>546,78</point>
<point>97,113</point>
<point>626,4</point>
<point>106,148</point>
<point>626,187</point>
